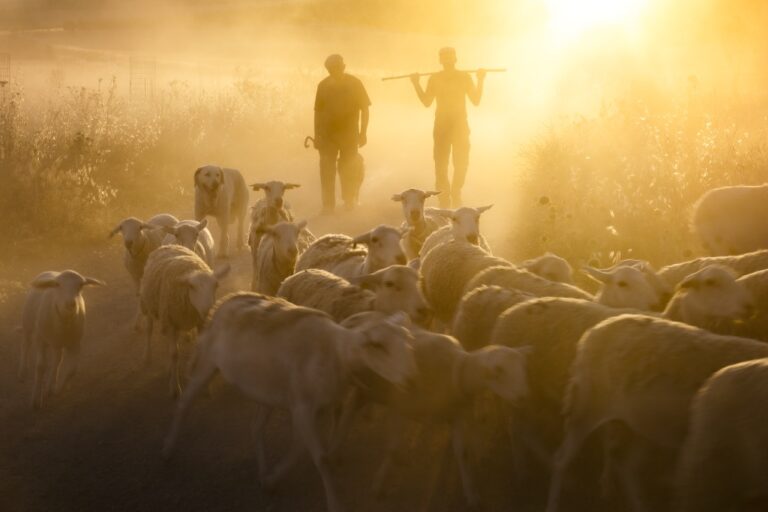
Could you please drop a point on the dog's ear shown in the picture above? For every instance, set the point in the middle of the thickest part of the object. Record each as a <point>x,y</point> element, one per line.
<point>197,172</point>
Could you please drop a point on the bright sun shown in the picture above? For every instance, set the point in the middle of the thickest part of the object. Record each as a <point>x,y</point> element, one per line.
<point>571,18</point>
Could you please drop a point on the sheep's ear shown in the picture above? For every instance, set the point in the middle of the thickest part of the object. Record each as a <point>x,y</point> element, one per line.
<point>415,264</point>
<point>365,238</point>
<point>301,225</point>
<point>92,281</point>
<point>397,197</point>
<point>692,282</point>
<point>400,318</point>
<point>171,230</point>
<point>601,276</point>
<point>44,282</point>
<point>114,231</point>
<point>367,282</point>
<point>430,193</point>
<point>197,173</point>
<point>483,209</point>
<point>289,186</point>
<point>531,265</point>
<point>222,272</point>
<point>258,186</point>
<point>201,225</point>
<point>404,231</point>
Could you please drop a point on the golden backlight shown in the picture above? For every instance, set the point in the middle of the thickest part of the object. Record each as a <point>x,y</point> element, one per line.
<point>569,19</point>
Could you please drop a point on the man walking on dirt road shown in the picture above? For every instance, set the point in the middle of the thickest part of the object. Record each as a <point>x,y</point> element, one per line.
<point>449,88</point>
<point>341,125</point>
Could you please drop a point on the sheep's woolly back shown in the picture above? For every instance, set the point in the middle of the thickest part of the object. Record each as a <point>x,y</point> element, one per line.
<point>319,289</point>
<point>416,235</point>
<point>329,251</point>
<point>478,311</point>
<point>264,215</point>
<point>444,235</point>
<point>447,269</point>
<point>756,327</point>
<point>633,352</point>
<point>728,434</point>
<point>742,264</point>
<point>162,296</point>
<point>515,278</point>
<point>269,270</point>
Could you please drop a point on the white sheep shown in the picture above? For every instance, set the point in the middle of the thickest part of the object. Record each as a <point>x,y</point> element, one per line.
<point>479,310</point>
<point>276,256</point>
<point>177,291</point>
<point>731,220</point>
<point>723,464</point>
<point>193,235</point>
<point>270,209</point>
<point>447,269</point>
<point>447,381</point>
<point>515,278</point>
<point>341,255</point>
<point>140,239</point>
<point>643,372</point>
<point>222,193</point>
<point>391,289</point>
<point>756,326</point>
<point>464,227</point>
<point>418,225</point>
<point>629,287</point>
<point>289,357</point>
<point>52,322</point>
<point>742,264</point>
<point>551,267</point>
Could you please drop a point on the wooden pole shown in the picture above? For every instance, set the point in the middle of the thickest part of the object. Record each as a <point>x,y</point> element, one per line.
<point>490,70</point>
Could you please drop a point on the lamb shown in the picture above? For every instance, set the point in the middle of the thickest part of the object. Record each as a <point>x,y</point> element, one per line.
<point>53,321</point>
<point>731,220</point>
<point>299,359</point>
<point>552,327</point>
<point>551,267</point>
<point>515,278</point>
<point>742,264</point>
<point>447,269</point>
<point>140,239</point>
<point>478,311</point>
<point>270,209</point>
<point>221,192</point>
<point>642,372</point>
<point>177,291</point>
<point>340,254</point>
<point>277,253</point>
<point>391,289</point>
<point>464,226</point>
<point>723,463</point>
<point>419,226</point>
<point>447,381</point>
<point>194,236</point>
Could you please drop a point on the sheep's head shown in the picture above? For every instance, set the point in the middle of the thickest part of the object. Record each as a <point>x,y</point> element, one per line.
<point>713,292</point>
<point>550,266</point>
<point>503,370</point>
<point>285,236</point>
<point>209,178</point>
<point>465,222</point>
<point>186,232</point>
<point>386,348</point>
<point>131,230</point>
<point>412,201</point>
<point>274,191</point>
<point>67,285</point>
<point>201,288</point>
<point>383,247</point>
<point>397,289</point>
<point>625,287</point>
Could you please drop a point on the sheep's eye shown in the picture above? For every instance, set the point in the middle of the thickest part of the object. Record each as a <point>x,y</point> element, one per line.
<point>374,239</point>
<point>709,282</point>
<point>622,284</point>
<point>454,219</point>
<point>389,284</point>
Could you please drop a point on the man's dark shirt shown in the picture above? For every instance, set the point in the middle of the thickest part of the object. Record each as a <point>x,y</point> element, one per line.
<point>338,103</point>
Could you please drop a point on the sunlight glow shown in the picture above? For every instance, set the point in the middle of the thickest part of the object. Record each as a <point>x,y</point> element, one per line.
<point>569,19</point>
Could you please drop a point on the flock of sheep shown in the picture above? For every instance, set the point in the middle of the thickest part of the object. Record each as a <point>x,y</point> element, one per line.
<point>335,324</point>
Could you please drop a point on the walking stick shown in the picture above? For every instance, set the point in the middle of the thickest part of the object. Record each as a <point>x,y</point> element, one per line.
<point>491,70</point>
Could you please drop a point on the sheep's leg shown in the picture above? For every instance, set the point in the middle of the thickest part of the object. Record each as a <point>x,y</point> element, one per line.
<point>148,346</point>
<point>308,425</point>
<point>458,435</point>
<point>24,356</point>
<point>628,467</point>
<point>41,367</point>
<point>394,431</point>
<point>352,404</point>
<point>240,231</point>
<point>173,369</point>
<point>259,422</point>
<point>53,372</point>
<point>271,478</point>
<point>67,368</point>
<point>204,372</point>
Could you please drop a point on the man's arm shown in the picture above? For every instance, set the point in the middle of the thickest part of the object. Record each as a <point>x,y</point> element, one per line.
<point>475,93</point>
<point>318,118</point>
<point>364,102</point>
<point>426,97</point>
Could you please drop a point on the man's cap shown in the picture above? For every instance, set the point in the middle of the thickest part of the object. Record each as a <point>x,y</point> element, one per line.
<point>334,60</point>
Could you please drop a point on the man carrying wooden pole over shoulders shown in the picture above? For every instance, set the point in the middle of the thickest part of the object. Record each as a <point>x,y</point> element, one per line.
<point>448,88</point>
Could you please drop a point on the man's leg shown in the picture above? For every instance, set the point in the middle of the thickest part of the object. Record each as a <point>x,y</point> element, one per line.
<point>328,176</point>
<point>460,143</point>
<point>351,174</point>
<point>441,153</point>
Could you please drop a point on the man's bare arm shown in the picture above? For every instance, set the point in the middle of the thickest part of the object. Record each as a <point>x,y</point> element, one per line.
<point>364,116</point>
<point>475,92</point>
<point>426,97</point>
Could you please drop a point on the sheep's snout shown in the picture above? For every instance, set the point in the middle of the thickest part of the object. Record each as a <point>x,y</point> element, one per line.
<point>415,215</point>
<point>278,202</point>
